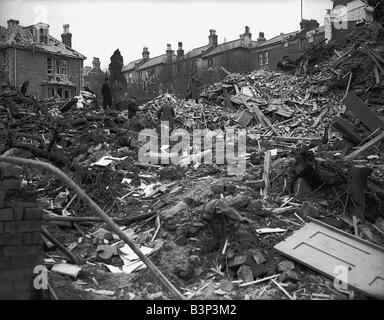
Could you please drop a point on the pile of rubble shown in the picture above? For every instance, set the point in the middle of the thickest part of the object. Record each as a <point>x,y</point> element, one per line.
<point>214,234</point>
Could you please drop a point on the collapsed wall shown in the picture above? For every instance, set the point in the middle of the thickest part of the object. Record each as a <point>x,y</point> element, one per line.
<point>20,226</point>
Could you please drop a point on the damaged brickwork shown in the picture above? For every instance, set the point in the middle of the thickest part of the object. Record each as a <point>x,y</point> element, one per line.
<point>20,226</point>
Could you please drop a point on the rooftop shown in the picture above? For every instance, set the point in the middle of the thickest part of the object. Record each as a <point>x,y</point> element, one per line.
<point>226,46</point>
<point>162,59</point>
<point>21,37</point>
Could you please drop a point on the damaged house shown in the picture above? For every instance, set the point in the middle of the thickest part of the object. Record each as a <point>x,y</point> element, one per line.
<point>52,67</point>
<point>344,17</point>
<point>212,60</point>
<point>267,54</point>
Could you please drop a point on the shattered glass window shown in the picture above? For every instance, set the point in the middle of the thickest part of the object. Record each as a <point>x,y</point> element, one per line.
<point>49,66</point>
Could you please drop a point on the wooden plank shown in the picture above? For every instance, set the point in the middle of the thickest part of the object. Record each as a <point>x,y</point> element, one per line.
<point>338,254</point>
<point>360,110</point>
<point>321,115</point>
<point>346,129</point>
<point>267,167</point>
<point>266,120</point>
<point>257,113</point>
<point>365,147</point>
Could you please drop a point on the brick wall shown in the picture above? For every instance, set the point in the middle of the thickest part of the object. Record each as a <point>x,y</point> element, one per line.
<point>32,66</point>
<point>20,226</point>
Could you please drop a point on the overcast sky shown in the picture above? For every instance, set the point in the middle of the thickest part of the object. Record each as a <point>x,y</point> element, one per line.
<point>99,27</point>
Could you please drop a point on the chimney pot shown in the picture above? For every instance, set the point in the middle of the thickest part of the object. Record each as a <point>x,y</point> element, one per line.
<point>11,23</point>
<point>180,51</point>
<point>212,37</point>
<point>145,53</point>
<point>66,28</point>
<point>96,63</point>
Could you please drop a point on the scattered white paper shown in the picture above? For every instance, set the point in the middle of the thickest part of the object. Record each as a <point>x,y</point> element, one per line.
<point>106,161</point>
<point>67,269</point>
<point>133,266</point>
<point>130,255</point>
<point>126,181</point>
<point>113,269</point>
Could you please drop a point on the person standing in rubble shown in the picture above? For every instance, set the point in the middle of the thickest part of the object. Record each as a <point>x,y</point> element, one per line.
<point>132,108</point>
<point>107,96</point>
<point>193,91</point>
<point>167,114</point>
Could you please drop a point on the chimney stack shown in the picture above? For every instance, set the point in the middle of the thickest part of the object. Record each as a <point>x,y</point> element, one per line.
<point>96,63</point>
<point>261,37</point>
<point>246,36</point>
<point>212,37</point>
<point>180,51</point>
<point>11,23</point>
<point>145,53</point>
<point>169,53</point>
<point>309,25</point>
<point>66,36</point>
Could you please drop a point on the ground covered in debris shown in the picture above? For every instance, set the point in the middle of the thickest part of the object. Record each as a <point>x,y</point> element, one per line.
<point>310,155</point>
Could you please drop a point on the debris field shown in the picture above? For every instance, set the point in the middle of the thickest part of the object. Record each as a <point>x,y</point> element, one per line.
<point>314,173</point>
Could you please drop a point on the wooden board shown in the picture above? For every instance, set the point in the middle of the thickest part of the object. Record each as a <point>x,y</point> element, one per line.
<point>360,110</point>
<point>347,130</point>
<point>329,250</point>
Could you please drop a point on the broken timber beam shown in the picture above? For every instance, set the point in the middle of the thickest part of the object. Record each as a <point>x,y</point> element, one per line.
<point>267,167</point>
<point>365,147</point>
<point>93,206</point>
<point>126,220</point>
<point>266,120</point>
<point>347,130</point>
<point>359,176</point>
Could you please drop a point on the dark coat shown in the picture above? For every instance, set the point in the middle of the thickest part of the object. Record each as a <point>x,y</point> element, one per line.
<point>167,113</point>
<point>107,97</point>
<point>132,108</point>
<point>195,88</point>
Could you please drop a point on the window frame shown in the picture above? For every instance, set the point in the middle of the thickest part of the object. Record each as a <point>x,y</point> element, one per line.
<point>57,66</point>
<point>50,70</point>
<point>64,66</point>
<point>261,58</point>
